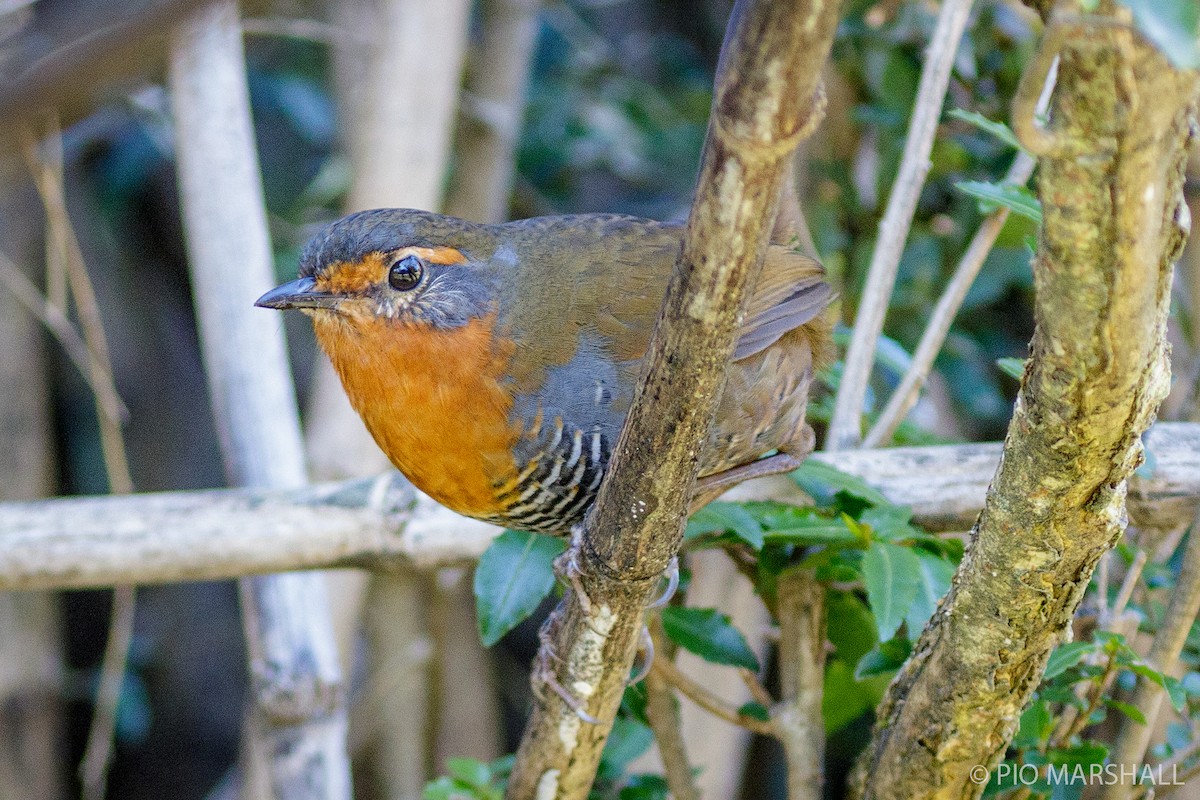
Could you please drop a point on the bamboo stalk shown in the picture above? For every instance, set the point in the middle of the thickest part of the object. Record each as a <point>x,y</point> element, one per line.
<point>298,724</point>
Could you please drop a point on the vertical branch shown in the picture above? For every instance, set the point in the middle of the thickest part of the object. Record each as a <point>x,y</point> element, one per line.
<point>1121,119</point>
<point>797,718</point>
<point>906,394</point>
<point>492,109</point>
<point>768,74</point>
<point>662,710</point>
<point>845,427</point>
<point>298,719</point>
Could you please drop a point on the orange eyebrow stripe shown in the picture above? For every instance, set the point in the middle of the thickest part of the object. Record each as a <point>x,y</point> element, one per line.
<point>435,255</point>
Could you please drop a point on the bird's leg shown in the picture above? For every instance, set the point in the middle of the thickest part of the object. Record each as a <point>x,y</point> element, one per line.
<point>711,487</point>
<point>544,673</point>
<point>567,568</point>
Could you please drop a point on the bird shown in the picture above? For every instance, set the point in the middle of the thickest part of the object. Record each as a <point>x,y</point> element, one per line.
<point>495,364</point>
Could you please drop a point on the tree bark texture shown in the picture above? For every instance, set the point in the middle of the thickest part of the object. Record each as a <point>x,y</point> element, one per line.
<point>766,82</point>
<point>1111,189</point>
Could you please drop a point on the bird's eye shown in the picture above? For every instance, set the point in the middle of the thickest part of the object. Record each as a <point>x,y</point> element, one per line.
<point>406,273</point>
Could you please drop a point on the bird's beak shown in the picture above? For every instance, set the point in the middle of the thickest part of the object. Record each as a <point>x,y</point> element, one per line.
<point>300,293</point>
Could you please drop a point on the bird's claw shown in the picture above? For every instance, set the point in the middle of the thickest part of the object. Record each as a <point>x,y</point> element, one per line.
<point>672,575</point>
<point>646,648</point>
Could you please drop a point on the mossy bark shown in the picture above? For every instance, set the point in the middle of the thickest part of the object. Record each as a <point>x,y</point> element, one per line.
<point>1114,221</point>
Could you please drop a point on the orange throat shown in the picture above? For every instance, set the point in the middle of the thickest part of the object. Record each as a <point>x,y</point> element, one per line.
<point>432,400</point>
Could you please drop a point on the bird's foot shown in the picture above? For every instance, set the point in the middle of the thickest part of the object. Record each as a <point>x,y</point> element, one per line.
<point>566,566</point>
<point>545,674</point>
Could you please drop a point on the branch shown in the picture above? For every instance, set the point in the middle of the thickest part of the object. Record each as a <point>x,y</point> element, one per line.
<point>797,718</point>
<point>662,711</point>
<point>493,106</point>
<point>845,427</point>
<point>766,79</point>
<point>1134,738</point>
<point>298,725</point>
<point>706,700</point>
<point>381,522</point>
<point>1098,370</point>
<point>906,394</point>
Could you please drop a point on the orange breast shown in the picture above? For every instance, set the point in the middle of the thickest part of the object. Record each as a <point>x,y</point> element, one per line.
<point>433,402</point>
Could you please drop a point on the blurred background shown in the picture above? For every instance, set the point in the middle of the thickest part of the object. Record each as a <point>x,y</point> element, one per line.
<point>494,109</point>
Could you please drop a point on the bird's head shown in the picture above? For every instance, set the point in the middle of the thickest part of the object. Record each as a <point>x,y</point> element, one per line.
<point>392,266</point>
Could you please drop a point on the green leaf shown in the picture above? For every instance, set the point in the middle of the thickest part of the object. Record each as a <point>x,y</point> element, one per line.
<point>996,129</point>
<point>890,573</point>
<point>1174,689</point>
<point>1012,367</point>
<point>444,788</point>
<point>787,524</point>
<point>469,771</point>
<point>1175,693</point>
<point>512,578</point>
<point>1015,198</point>
<point>850,626</point>
<point>844,699</point>
<point>1085,754</point>
<point>889,523</point>
<point>709,634</point>
<point>720,517</point>
<point>1128,709</point>
<point>1066,656</point>
<point>821,482</point>
<point>933,581</point>
<point>755,711</point>
<point>1036,724</point>
<point>645,787</point>
<point>1171,25</point>
<point>628,740</point>
<point>884,659</point>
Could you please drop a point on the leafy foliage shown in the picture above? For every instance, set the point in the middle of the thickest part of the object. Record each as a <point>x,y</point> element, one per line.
<point>512,578</point>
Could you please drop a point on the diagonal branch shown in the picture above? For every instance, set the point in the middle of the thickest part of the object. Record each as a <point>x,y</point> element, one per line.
<point>766,80</point>
<point>844,429</point>
<point>1097,372</point>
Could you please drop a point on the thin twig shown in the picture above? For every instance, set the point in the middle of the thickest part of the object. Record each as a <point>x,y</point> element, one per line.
<point>1134,738</point>
<point>65,263</point>
<point>906,394</point>
<point>845,428</point>
<point>1132,575</point>
<point>56,321</point>
<point>663,714</point>
<point>707,700</point>
<point>757,690</point>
